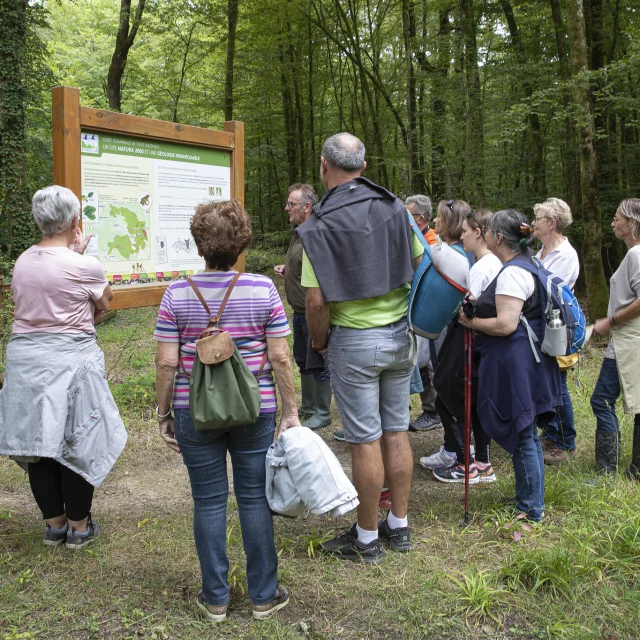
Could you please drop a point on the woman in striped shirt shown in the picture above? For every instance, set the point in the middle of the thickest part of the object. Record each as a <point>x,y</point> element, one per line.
<point>256,320</point>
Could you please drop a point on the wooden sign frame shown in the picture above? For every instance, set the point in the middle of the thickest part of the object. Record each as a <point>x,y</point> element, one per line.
<point>69,119</point>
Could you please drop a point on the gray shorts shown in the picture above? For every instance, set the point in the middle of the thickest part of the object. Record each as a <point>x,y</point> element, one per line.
<point>370,377</point>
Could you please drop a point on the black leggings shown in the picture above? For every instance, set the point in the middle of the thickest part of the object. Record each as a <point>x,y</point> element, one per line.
<point>57,490</point>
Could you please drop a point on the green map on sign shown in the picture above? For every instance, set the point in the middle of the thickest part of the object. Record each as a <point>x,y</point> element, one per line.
<point>135,241</point>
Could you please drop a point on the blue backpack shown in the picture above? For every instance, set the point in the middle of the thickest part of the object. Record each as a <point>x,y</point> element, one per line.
<point>439,285</point>
<point>555,294</point>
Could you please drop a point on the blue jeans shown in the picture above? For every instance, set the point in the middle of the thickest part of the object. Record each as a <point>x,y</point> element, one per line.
<point>605,395</point>
<point>205,455</point>
<point>561,429</point>
<point>301,345</point>
<point>528,465</point>
<point>371,373</point>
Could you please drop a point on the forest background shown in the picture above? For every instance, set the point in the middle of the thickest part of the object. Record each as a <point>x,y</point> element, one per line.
<point>499,102</point>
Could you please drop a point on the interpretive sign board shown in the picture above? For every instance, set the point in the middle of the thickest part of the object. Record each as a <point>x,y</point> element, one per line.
<point>139,181</point>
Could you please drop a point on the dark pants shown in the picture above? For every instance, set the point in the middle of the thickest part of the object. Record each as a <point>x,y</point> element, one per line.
<point>605,396</point>
<point>59,490</point>
<point>561,429</point>
<point>428,395</point>
<point>301,345</point>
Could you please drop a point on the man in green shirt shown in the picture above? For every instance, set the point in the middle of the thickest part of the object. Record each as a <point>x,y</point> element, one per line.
<point>358,243</point>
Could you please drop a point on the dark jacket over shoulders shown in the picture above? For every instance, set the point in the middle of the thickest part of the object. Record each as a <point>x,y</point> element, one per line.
<point>358,240</point>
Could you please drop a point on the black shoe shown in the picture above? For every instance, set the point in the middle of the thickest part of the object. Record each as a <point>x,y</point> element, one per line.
<point>347,546</point>
<point>426,422</point>
<point>399,539</point>
<point>607,451</point>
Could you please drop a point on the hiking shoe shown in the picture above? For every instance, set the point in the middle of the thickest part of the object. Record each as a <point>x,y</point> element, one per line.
<point>438,460</point>
<point>385,499</point>
<point>427,421</point>
<point>213,613</point>
<point>455,473</point>
<point>80,539</point>
<point>399,539</point>
<point>54,537</point>
<point>552,453</point>
<point>264,611</point>
<point>347,546</point>
<point>339,435</point>
<point>486,473</point>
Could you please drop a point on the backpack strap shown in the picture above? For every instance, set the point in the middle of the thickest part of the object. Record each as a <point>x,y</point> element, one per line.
<point>414,228</point>
<point>223,304</point>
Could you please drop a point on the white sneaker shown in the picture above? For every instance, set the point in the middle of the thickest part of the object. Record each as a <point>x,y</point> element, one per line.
<point>438,460</point>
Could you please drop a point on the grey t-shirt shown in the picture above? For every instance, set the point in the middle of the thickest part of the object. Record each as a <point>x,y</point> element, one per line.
<point>624,287</point>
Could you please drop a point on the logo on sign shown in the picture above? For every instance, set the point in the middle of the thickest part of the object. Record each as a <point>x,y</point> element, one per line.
<point>90,143</point>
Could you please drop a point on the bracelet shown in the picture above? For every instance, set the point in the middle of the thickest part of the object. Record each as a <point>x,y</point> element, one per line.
<point>166,415</point>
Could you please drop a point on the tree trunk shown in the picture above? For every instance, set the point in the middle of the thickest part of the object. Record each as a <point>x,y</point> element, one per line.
<point>474,163</point>
<point>571,154</point>
<point>232,22</point>
<point>438,108</point>
<point>592,249</point>
<point>16,214</point>
<point>539,186</point>
<point>124,41</point>
<point>289,125</point>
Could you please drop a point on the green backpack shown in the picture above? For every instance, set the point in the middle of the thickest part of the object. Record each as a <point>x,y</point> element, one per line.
<point>222,390</point>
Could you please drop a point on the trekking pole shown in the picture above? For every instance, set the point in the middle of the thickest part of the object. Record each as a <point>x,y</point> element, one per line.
<point>468,380</point>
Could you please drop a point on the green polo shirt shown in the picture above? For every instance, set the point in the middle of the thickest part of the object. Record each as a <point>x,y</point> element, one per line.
<point>368,312</point>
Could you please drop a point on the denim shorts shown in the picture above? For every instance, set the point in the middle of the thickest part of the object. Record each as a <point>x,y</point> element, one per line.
<point>370,377</point>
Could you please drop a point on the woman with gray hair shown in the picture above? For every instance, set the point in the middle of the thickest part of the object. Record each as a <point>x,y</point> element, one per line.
<point>557,255</point>
<point>517,386</point>
<point>57,416</point>
<point>620,372</point>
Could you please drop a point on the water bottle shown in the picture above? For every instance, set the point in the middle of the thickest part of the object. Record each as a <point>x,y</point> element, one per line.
<point>555,320</point>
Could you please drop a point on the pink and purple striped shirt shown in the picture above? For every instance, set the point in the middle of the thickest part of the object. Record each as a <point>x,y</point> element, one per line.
<point>253,313</point>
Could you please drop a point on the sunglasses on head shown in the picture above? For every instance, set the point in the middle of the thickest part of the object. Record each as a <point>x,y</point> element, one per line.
<point>473,217</point>
<point>450,204</point>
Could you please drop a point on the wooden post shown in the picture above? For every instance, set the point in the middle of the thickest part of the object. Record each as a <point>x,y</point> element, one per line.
<point>65,116</point>
<point>237,169</point>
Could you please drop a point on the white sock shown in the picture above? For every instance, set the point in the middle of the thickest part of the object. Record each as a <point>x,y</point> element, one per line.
<point>384,489</point>
<point>365,536</point>
<point>396,523</point>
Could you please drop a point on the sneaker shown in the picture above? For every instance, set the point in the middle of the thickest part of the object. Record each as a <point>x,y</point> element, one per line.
<point>347,546</point>
<point>486,473</point>
<point>455,473</point>
<point>437,460</point>
<point>78,540</point>
<point>54,537</point>
<point>264,611</point>
<point>339,435</point>
<point>552,453</point>
<point>399,539</point>
<point>385,499</point>
<point>427,421</point>
<point>213,613</point>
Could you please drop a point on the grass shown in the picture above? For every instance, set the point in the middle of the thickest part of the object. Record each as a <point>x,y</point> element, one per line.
<point>574,576</point>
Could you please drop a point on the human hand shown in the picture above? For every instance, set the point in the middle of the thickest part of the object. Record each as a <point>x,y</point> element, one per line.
<point>602,327</point>
<point>167,433</point>
<point>464,321</point>
<point>279,270</point>
<point>288,421</point>
<point>79,245</point>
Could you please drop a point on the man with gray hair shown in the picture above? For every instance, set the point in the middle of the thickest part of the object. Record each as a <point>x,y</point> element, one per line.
<point>419,206</point>
<point>316,388</point>
<point>358,263</point>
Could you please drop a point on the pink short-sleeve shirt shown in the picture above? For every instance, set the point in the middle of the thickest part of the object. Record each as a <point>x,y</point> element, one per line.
<point>54,291</point>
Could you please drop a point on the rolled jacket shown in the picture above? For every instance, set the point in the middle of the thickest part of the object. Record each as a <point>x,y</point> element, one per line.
<point>56,403</point>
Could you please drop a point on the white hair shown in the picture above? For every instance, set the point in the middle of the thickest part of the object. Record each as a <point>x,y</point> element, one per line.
<point>54,208</point>
<point>422,205</point>
<point>557,210</point>
<point>630,209</point>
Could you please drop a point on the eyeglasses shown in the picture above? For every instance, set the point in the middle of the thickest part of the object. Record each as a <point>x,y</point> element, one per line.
<point>450,204</point>
<point>536,218</point>
<point>290,204</point>
<point>618,219</point>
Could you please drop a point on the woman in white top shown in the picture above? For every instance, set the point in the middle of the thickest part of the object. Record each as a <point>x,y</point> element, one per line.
<point>620,373</point>
<point>449,373</point>
<point>557,255</point>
